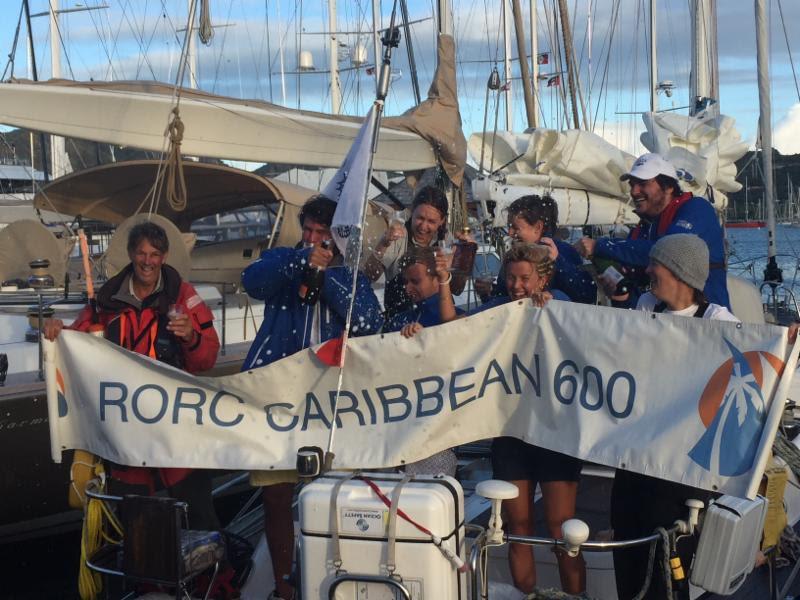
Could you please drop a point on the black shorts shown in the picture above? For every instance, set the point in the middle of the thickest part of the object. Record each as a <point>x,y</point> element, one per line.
<point>514,460</point>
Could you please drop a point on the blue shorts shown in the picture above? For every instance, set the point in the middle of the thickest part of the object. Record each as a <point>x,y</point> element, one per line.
<point>515,460</point>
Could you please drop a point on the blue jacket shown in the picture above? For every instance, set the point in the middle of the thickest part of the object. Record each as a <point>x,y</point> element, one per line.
<point>425,313</point>
<point>569,276</point>
<point>695,216</point>
<point>286,329</point>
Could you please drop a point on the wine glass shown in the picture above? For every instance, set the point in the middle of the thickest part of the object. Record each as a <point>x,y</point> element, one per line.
<point>175,311</point>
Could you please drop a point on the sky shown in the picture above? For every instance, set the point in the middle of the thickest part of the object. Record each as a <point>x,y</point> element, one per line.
<point>141,39</point>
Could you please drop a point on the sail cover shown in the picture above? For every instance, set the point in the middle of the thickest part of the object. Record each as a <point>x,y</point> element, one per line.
<point>135,113</point>
<point>704,147</point>
<point>438,119</point>
<point>579,169</point>
<point>114,192</point>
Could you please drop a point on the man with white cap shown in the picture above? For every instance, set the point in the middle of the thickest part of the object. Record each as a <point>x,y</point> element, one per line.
<point>664,210</point>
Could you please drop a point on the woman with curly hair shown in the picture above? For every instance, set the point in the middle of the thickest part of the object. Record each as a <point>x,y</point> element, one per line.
<point>528,270</point>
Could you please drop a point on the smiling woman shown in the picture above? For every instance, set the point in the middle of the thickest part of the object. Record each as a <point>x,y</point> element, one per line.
<point>424,229</point>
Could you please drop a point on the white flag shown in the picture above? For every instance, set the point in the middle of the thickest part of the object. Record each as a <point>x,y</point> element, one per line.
<point>349,186</point>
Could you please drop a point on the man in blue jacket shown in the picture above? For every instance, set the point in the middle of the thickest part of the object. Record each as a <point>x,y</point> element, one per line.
<point>664,210</point>
<point>290,325</point>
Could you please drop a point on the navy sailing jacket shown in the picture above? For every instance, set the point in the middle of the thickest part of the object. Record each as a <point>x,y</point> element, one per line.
<point>287,327</point>
<point>425,313</point>
<point>694,215</point>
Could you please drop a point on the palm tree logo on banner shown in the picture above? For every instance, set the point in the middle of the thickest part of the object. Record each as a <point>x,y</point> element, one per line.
<point>733,410</point>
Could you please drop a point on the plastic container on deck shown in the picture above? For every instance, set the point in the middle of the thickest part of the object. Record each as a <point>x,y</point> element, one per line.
<point>436,502</point>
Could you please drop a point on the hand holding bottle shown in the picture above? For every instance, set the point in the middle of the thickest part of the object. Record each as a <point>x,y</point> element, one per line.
<point>321,256</point>
<point>551,247</point>
<point>314,275</point>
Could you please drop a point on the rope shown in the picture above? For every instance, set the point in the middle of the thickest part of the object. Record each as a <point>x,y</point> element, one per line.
<point>173,135</point>
<point>173,171</point>
<point>205,29</point>
<point>665,567</point>
<point>93,534</point>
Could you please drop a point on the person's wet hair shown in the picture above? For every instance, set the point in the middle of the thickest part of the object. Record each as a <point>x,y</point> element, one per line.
<point>319,209</point>
<point>433,196</point>
<point>419,255</point>
<point>533,208</point>
<point>536,254</point>
<point>151,232</point>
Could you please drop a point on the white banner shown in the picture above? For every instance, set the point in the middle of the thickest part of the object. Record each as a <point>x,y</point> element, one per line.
<point>683,399</point>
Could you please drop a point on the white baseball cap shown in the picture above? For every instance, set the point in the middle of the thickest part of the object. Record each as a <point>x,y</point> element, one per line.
<point>649,166</point>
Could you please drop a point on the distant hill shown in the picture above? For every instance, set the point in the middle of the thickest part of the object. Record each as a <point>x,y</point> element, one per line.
<point>786,174</point>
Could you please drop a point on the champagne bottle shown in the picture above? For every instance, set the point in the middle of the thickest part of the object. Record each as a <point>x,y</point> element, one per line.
<point>464,253</point>
<point>313,279</point>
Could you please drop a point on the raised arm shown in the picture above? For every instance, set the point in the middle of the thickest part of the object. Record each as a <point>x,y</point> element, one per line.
<point>447,308</point>
<point>385,251</point>
<point>570,275</point>
<point>273,271</point>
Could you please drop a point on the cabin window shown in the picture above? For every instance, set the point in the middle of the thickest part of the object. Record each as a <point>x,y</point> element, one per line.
<point>252,222</point>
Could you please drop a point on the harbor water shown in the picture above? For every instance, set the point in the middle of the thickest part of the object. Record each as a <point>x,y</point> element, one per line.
<point>747,253</point>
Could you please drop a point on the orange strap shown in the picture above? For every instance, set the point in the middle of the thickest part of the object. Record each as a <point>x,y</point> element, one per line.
<point>123,328</point>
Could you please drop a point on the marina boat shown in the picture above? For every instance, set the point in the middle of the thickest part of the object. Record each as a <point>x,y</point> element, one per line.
<point>17,183</point>
<point>37,506</point>
<point>745,224</point>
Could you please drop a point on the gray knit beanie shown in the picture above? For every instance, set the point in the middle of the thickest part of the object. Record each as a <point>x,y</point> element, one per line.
<point>685,255</point>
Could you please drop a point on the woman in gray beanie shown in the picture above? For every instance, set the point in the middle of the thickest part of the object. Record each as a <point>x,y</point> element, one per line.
<point>678,272</point>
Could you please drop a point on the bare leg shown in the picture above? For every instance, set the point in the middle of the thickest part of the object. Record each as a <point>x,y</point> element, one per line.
<point>519,519</point>
<point>279,529</point>
<point>559,505</point>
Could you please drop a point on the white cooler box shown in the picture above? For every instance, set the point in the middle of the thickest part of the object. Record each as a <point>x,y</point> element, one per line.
<point>435,502</point>
<point>729,540</point>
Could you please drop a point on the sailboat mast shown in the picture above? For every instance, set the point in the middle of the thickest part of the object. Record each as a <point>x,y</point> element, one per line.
<point>530,110</point>
<point>653,59</point>
<point>704,85</point>
<point>566,33</point>
<point>376,38</point>
<point>772,272</point>
<point>192,52</point>
<point>333,57</point>
<point>507,67</point>
<point>58,149</point>
<point>445,15</point>
<point>35,76</point>
<point>535,61</point>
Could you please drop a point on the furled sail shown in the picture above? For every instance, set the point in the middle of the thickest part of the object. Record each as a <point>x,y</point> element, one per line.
<point>579,169</point>
<point>705,147</point>
<point>135,113</point>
